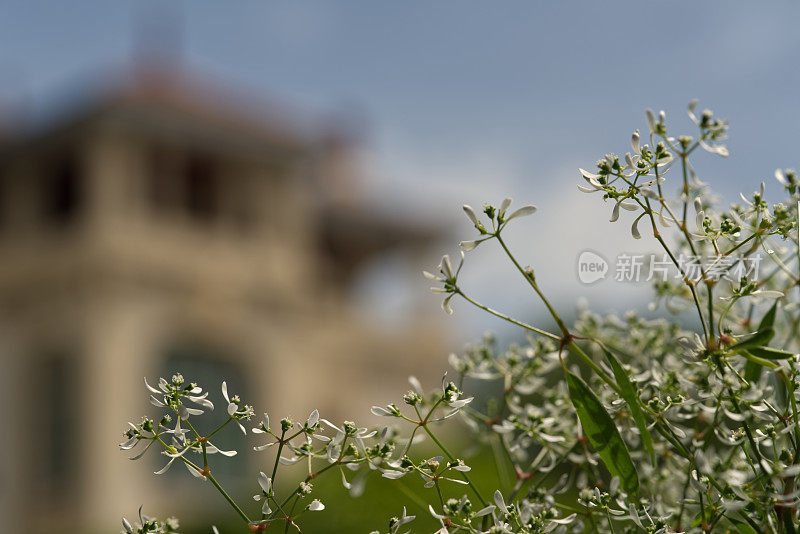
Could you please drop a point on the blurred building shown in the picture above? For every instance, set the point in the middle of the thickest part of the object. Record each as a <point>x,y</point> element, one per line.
<point>161,226</point>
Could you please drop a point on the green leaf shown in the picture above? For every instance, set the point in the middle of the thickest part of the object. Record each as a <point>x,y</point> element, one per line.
<point>759,361</point>
<point>602,433</point>
<point>742,527</point>
<point>765,332</point>
<point>698,519</point>
<point>629,393</point>
<point>768,321</point>
<point>768,353</point>
<point>752,371</point>
<point>761,337</point>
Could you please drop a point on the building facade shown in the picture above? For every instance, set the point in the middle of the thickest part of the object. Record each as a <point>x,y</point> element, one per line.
<point>158,229</point>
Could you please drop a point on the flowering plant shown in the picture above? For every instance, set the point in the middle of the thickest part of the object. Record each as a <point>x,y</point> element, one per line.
<point>609,424</point>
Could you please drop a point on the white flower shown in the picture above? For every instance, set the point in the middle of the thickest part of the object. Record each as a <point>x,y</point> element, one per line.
<point>178,432</point>
<point>211,449</point>
<point>767,294</point>
<point>651,120</point>
<point>393,474</point>
<point>693,344</point>
<point>501,213</point>
<point>232,407</point>
<point>459,465</point>
<point>635,142</point>
<point>621,204</point>
<point>313,419</point>
<point>759,194</point>
<point>485,511</point>
<point>524,211</point>
<point>349,429</point>
<point>472,217</point>
<point>185,411</point>
<point>266,488</point>
<point>402,520</point>
<point>417,385</point>
<point>701,216</point>
<point>787,179</point>
<point>718,149</point>
<point>315,506</point>
<point>690,111</point>
<point>265,482</point>
<point>202,400</point>
<point>448,278</point>
<point>265,425</point>
<point>460,403</point>
<point>470,245</point>
<point>381,412</point>
<point>564,520</point>
<point>593,180</point>
<point>635,227</point>
<point>172,458</point>
<point>499,502</point>
<point>715,127</point>
<point>631,164</point>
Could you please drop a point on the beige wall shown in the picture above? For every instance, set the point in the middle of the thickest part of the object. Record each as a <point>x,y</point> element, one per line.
<point>117,290</point>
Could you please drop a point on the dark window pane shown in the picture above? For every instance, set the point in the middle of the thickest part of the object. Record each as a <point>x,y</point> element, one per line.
<point>201,188</point>
<point>62,191</point>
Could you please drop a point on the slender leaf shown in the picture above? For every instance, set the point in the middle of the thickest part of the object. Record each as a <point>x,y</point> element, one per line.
<point>768,321</point>
<point>761,337</point>
<point>768,353</point>
<point>759,361</point>
<point>700,518</point>
<point>742,527</point>
<point>602,433</point>
<point>629,393</point>
<point>752,371</point>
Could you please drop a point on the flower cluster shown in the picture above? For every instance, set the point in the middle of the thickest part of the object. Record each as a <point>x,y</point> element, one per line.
<point>151,524</point>
<point>606,424</point>
<point>182,400</point>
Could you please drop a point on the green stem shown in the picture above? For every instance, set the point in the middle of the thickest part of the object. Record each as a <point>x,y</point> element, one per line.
<point>281,442</point>
<point>215,483</point>
<point>228,497</point>
<point>507,318</point>
<point>567,339</point>
<point>531,280</point>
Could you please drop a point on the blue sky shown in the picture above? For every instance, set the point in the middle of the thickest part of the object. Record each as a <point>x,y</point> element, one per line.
<point>466,101</point>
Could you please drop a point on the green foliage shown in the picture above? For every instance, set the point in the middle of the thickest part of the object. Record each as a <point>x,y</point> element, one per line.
<point>602,433</point>
<point>685,430</point>
<point>628,392</point>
